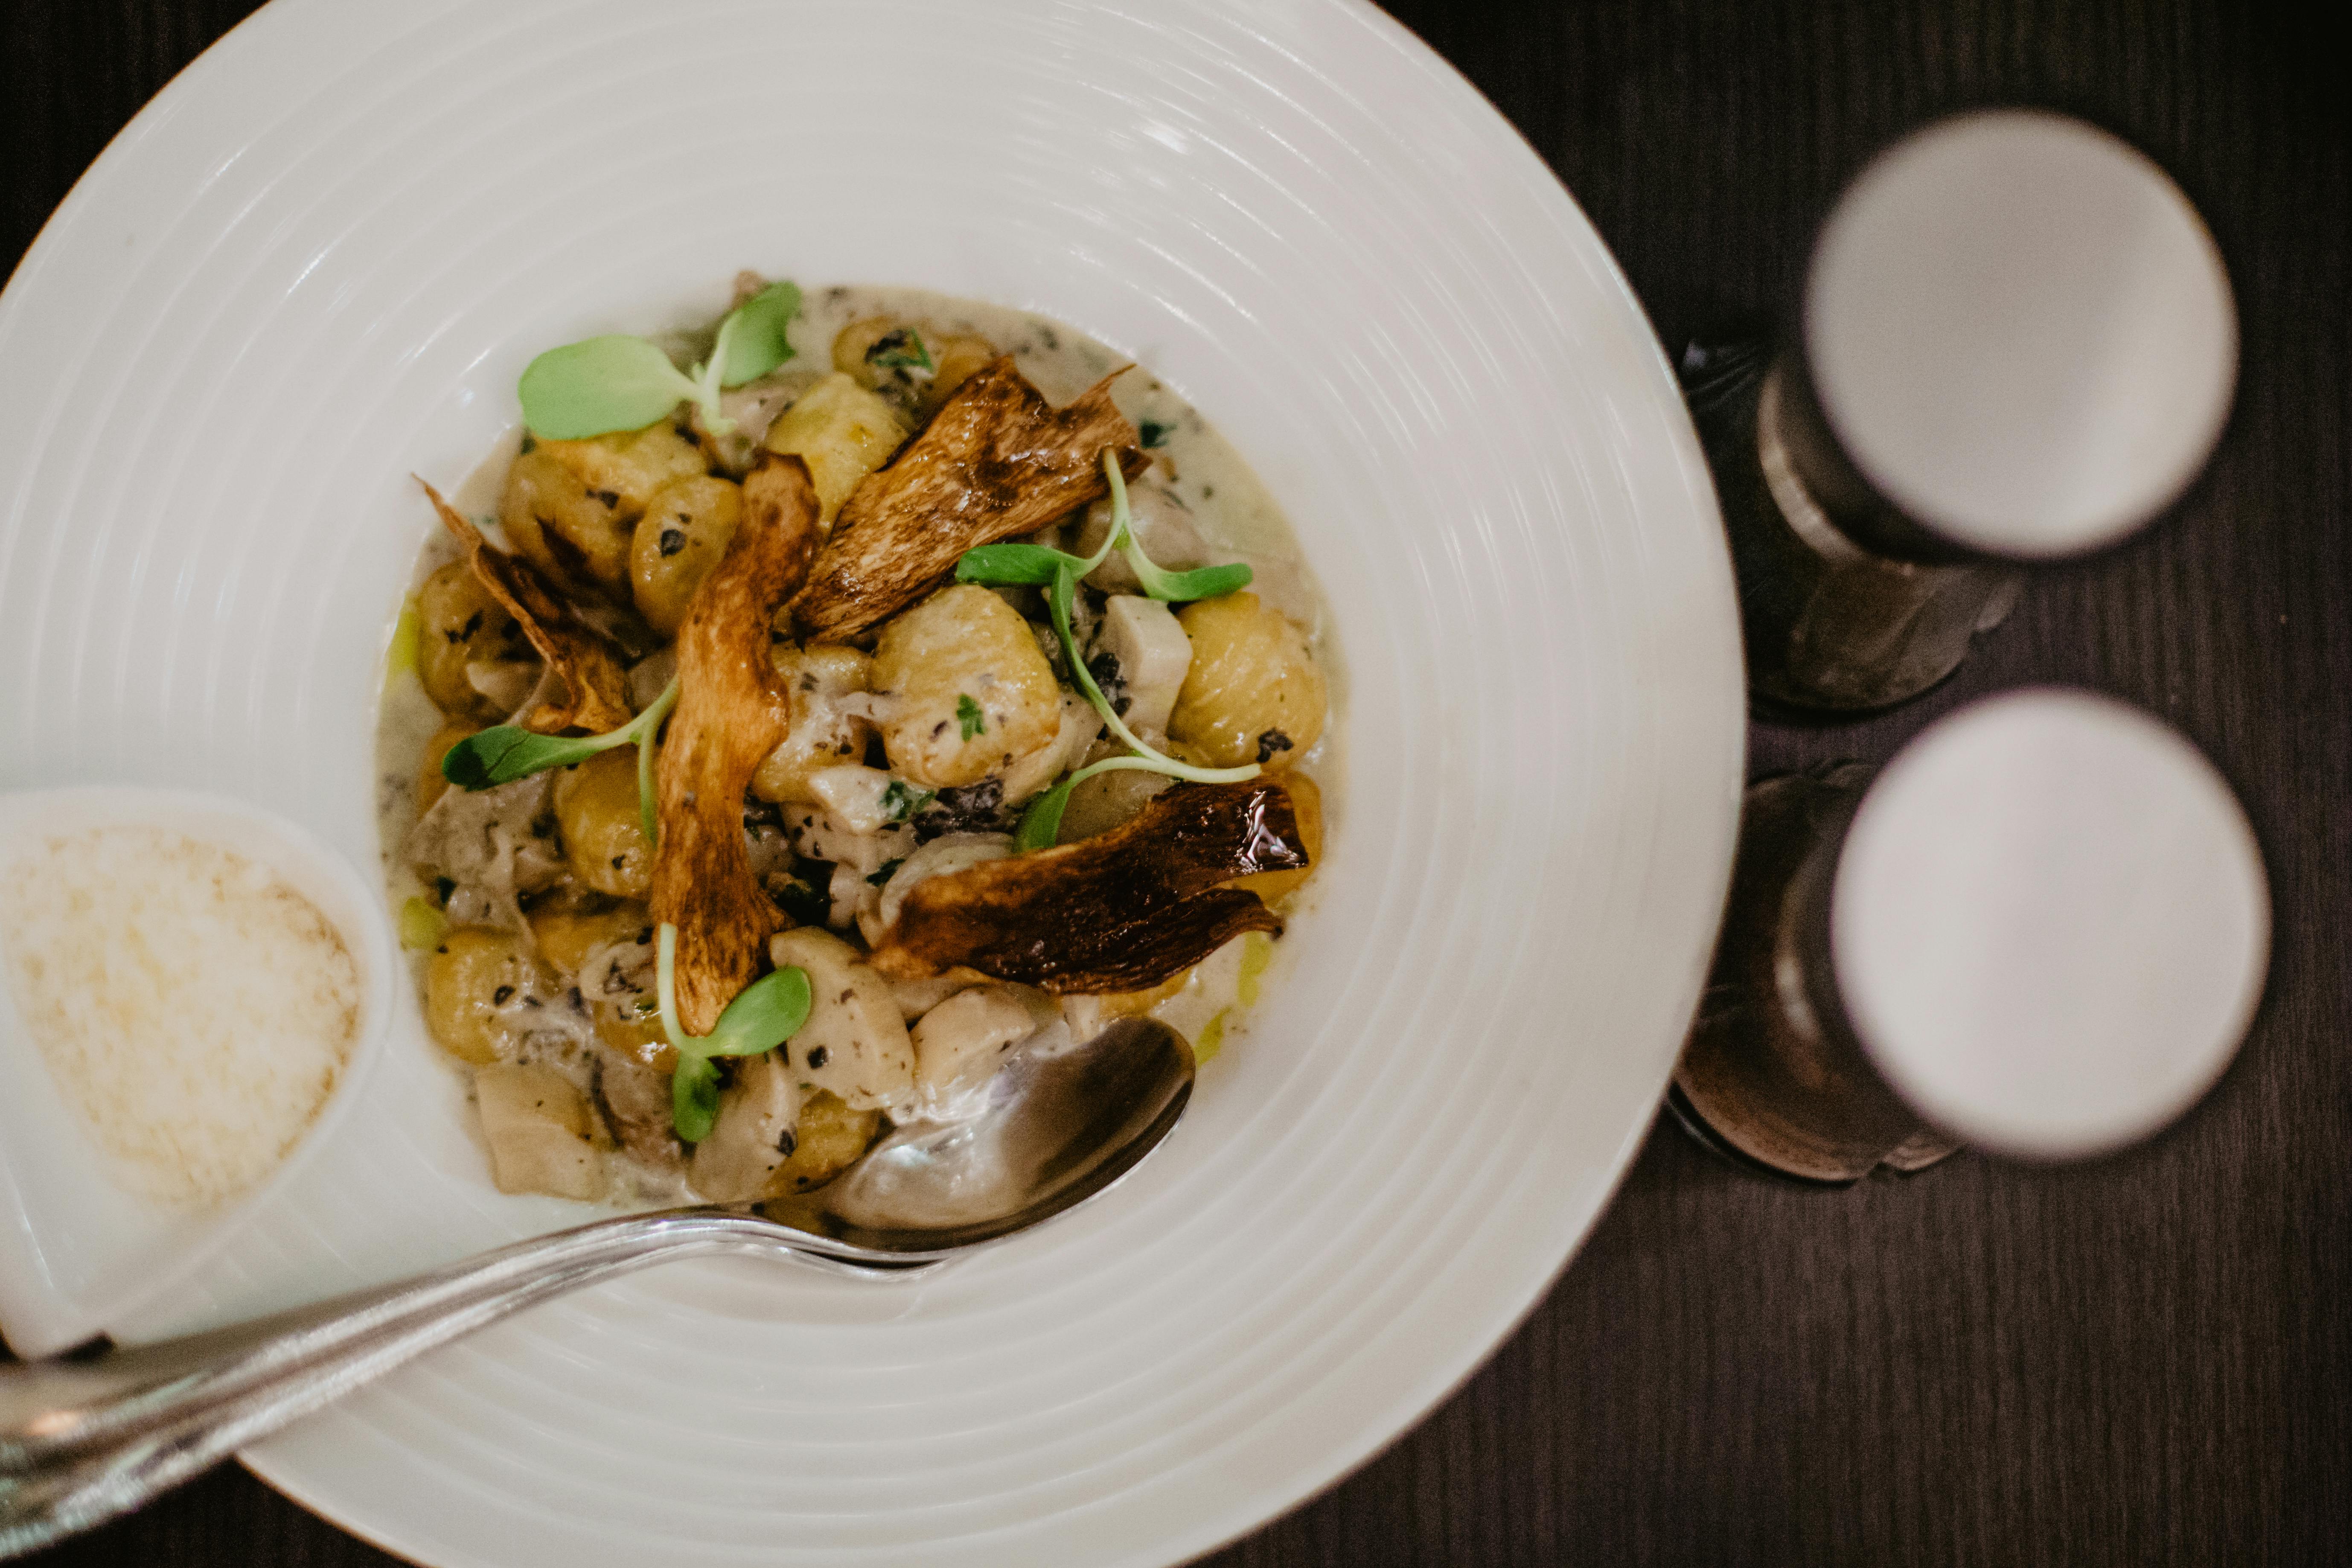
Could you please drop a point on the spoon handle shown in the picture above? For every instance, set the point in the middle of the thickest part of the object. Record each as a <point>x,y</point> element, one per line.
<point>81,1442</point>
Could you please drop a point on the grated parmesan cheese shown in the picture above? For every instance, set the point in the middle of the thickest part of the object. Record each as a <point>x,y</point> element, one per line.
<point>195,1010</point>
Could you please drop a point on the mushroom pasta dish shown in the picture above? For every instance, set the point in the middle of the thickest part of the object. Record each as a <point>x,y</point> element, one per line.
<point>810,711</point>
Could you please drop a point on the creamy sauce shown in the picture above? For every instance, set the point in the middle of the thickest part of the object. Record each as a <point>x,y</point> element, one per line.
<point>195,1010</point>
<point>1195,470</point>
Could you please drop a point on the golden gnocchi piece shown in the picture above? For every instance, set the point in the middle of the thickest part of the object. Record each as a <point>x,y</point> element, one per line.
<point>479,985</point>
<point>558,524</point>
<point>566,937</point>
<point>863,350</point>
<point>627,467</point>
<point>970,693</point>
<point>1254,693</point>
<point>596,814</point>
<point>684,533</point>
<point>822,735</point>
<point>1307,807</point>
<point>429,782</point>
<point>853,345</point>
<point>829,1136</point>
<point>960,357</point>
<point>637,1035</point>
<point>842,432</point>
<point>460,623</point>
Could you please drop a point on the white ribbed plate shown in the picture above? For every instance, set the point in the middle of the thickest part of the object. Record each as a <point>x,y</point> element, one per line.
<point>317,261</point>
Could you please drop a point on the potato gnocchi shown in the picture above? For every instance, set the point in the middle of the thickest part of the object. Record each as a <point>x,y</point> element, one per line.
<point>928,756</point>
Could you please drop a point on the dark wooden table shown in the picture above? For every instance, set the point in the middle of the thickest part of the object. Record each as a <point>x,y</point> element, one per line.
<point>2145,1360</point>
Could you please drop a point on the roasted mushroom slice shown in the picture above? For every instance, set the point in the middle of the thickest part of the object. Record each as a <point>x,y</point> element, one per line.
<point>595,684</point>
<point>732,711</point>
<point>1116,912</point>
<point>996,461</point>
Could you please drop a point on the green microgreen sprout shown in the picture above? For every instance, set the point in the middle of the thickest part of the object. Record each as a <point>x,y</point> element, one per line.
<point>621,382</point>
<point>1033,565</point>
<point>763,1016</point>
<point>1058,571</point>
<point>507,751</point>
<point>969,718</point>
<point>1041,824</point>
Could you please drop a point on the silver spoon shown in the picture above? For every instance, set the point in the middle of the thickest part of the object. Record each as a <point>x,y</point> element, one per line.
<point>82,1440</point>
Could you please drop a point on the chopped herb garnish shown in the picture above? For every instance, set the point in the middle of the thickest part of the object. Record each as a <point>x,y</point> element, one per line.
<point>443,887</point>
<point>1152,433</point>
<point>901,800</point>
<point>506,753</point>
<point>903,349</point>
<point>620,383</point>
<point>970,719</point>
<point>763,1016</point>
<point>889,868</point>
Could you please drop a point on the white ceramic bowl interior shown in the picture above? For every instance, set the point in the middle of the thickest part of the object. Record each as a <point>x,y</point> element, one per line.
<point>317,263</point>
<point>81,1252</point>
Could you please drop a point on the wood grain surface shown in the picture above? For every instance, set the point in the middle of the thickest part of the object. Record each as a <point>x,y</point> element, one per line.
<point>2146,1360</point>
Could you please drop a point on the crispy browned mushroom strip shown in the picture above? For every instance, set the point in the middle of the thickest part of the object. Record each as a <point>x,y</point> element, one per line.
<point>1122,911</point>
<point>732,711</point>
<point>595,686</point>
<point>996,461</point>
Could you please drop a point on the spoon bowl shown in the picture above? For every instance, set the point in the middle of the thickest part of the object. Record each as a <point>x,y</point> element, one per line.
<point>1060,1125</point>
<point>84,1440</point>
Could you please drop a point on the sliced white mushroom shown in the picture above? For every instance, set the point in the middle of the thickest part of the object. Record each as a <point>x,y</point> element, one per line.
<point>1032,774</point>
<point>853,794</point>
<point>963,1038</point>
<point>506,683</point>
<point>815,832</point>
<point>752,1134</point>
<point>1153,655</point>
<point>948,852</point>
<point>917,997</point>
<point>536,1124</point>
<point>1160,524</point>
<point>650,674</point>
<point>855,1043</point>
<point>856,899</point>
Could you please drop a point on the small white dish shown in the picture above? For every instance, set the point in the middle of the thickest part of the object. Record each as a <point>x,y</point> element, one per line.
<point>79,1251</point>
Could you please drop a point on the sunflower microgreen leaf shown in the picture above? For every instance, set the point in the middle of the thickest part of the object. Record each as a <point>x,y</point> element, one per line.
<point>621,382</point>
<point>506,752</point>
<point>694,1097</point>
<point>600,384</point>
<point>1011,565</point>
<point>763,1016</point>
<point>759,343</point>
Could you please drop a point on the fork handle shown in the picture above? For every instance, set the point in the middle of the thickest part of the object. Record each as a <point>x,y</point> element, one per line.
<point>81,1442</point>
